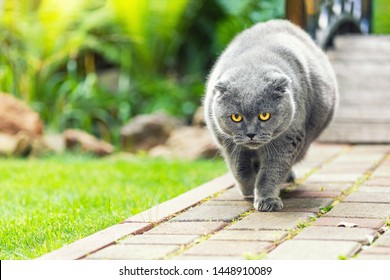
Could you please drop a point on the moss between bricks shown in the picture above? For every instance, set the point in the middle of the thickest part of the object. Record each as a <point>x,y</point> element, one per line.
<point>186,247</point>
<point>323,210</point>
<point>360,181</point>
<point>203,238</point>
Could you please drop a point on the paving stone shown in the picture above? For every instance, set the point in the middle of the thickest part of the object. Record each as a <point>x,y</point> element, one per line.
<point>360,210</point>
<point>370,149</point>
<point>373,189</point>
<point>386,162</point>
<point>346,169</point>
<point>271,220</point>
<point>332,177</point>
<point>198,228</point>
<point>230,194</point>
<point>302,170</point>
<point>307,166</point>
<point>378,181</point>
<point>321,152</point>
<point>368,197</point>
<point>310,194</point>
<point>313,250</point>
<point>360,222</point>
<point>339,187</point>
<point>215,211</point>
<point>358,158</point>
<point>362,235</point>
<point>383,241</point>
<point>367,157</point>
<point>305,204</point>
<point>152,239</point>
<point>376,251</point>
<point>229,203</point>
<point>382,171</point>
<point>229,248</point>
<point>134,252</point>
<point>358,164</point>
<point>250,235</point>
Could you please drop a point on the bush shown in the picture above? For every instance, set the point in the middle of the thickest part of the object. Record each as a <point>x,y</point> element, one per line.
<point>54,56</point>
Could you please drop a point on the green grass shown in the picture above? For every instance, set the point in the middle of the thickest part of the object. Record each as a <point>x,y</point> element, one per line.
<point>47,203</point>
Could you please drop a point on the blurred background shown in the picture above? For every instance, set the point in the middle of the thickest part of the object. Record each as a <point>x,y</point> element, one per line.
<point>96,64</point>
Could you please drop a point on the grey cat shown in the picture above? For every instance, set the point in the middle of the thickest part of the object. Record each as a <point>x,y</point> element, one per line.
<point>269,95</point>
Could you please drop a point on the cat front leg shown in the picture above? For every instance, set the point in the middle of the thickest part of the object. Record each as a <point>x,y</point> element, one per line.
<point>267,187</point>
<point>244,167</point>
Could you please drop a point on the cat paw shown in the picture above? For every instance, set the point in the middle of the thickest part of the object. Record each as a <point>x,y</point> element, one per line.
<point>246,191</point>
<point>268,204</point>
<point>290,177</point>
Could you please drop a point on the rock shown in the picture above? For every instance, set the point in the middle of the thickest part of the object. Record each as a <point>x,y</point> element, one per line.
<point>78,139</point>
<point>198,118</point>
<point>144,132</point>
<point>20,127</point>
<point>15,145</point>
<point>16,116</point>
<point>188,143</point>
<point>8,144</point>
<point>55,142</point>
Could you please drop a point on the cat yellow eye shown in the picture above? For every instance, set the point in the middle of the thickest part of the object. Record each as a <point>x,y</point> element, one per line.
<point>236,118</point>
<point>264,116</point>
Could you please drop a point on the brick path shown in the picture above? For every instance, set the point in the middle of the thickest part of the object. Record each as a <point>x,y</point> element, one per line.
<point>338,209</point>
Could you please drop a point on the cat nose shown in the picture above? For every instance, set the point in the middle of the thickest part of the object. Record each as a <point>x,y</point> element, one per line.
<point>251,135</point>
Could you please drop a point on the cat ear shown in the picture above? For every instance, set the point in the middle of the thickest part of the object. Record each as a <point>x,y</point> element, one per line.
<point>221,87</point>
<point>277,82</point>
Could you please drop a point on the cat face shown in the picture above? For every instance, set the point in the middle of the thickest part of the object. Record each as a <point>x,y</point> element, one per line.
<point>253,115</point>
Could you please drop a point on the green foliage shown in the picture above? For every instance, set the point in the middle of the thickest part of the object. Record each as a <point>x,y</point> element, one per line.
<point>47,203</point>
<point>326,209</point>
<point>153,28</point>
<point>381,17</point>
<point>55,55</point>
<point>243,14</point>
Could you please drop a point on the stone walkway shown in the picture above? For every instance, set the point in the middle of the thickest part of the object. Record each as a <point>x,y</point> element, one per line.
<point>338,209</point>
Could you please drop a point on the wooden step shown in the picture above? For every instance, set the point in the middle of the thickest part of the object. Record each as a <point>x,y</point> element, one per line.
<point>362,66</point>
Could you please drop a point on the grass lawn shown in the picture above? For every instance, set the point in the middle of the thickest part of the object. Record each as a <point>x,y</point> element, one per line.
<point>47,203</point>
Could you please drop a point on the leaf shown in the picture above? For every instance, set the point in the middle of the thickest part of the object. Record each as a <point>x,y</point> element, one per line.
<point>234,7</point>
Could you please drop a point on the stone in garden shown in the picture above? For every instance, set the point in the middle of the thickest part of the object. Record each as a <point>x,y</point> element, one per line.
<point>20,128</point>
<point>144,132</point>
<point>15,145</point>
<point>78,139</point>
<point>54,142</point>
<point>16,117</point>
<point>198,118</point>
<point>22,144</point>
<point>188,143</point>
